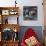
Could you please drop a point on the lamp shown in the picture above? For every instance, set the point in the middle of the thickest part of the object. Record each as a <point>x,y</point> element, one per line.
<point>15,3</point>
<point>15,30</point>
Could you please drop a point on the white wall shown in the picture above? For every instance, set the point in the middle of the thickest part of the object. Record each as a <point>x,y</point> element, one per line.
<point>7,3</point>
<point>37,3</point>
<point>22,3</point>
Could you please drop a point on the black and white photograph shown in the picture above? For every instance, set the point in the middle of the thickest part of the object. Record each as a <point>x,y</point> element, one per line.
<point>30,12</point>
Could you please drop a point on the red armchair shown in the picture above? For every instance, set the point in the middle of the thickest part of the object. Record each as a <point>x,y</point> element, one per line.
<point>28,34</point>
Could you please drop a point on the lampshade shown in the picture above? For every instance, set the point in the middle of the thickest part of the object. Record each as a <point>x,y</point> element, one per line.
<point>15,30</point>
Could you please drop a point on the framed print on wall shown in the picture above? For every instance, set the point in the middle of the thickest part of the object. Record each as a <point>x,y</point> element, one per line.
<point>30,12</point>
<point>5,12</point>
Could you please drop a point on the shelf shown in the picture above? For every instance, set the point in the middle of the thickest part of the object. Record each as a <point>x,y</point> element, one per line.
<point>11,15</point>
<point>8,15</point>
<point>10,26</point>
<point>11,41</point>
<point>9,10</point>
<point>6,12</point>
<point>4,8</point>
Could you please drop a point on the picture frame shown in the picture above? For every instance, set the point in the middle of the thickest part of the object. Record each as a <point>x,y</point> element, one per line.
<point>5,12</point>
<point>30,12</point>
<point>13,12</point>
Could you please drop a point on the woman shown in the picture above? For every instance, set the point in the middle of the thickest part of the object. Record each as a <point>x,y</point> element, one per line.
<point>30,38</point>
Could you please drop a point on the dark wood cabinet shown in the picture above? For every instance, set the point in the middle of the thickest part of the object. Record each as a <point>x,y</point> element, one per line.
<point>6,27</point>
